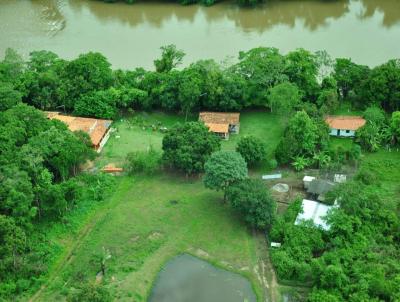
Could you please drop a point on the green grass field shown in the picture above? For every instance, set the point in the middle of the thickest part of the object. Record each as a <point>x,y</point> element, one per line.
<point>131,137</point>
<point>148,221</point>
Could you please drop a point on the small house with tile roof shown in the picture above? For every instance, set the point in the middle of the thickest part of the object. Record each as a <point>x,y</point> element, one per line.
<point>221,123</point>
<point>344,126</point>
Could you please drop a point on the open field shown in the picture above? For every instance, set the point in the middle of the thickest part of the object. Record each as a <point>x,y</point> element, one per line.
<point>151,220</point>
<point>136,133</point>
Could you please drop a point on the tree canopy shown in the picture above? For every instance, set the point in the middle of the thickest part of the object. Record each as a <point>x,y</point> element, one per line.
<point>253,201</point>
<point>188,146</point>
<point>223,169</point>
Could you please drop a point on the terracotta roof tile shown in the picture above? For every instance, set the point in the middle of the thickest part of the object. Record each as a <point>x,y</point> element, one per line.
<point>218,128</point>
<point>220,117</point>
<point>96,128</point>
<point>345,122</point>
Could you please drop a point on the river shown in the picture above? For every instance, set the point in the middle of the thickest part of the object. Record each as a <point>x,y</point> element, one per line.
<point>368,31</point>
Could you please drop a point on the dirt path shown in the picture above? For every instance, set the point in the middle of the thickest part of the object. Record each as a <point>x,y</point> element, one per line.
<point>264,270</point>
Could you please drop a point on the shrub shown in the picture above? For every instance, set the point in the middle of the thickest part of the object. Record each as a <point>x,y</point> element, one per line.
<point>252,150</point>
<point>146,162</point>
<point>366,177</point>
<point>375,115</point>
<point>253,201</point>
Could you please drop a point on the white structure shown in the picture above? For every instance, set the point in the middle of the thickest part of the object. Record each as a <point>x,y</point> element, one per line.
<point>344,126</point>
<point>314,211</point>
<point>340,178</point>
<point>307,180</point>
<point>275,244</point>
<point>271,176</point>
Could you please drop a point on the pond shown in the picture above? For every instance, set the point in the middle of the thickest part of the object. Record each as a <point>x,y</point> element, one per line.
<point>368,31</point>
<point>188,279</point>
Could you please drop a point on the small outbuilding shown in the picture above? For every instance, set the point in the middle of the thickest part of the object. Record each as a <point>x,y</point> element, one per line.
<point>307,180</point>
<point>221,123</point>
<point>314,211</point>
<point>317,188</point>
<point>344,126</point>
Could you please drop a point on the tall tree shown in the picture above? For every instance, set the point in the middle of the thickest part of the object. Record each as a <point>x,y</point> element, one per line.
<point>262,68</point>
<point>89,72</point>
<point>283,97</point>
<point>348,76</point>
<point>187,147</point>
<point>223,169</point>
<point>302,70</point>
<point>171,57</point>
<point>252,199</point>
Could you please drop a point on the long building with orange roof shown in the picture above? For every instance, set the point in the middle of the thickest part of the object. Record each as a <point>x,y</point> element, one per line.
<point>98,129</point>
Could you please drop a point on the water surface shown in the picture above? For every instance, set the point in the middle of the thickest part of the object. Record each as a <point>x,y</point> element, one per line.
<point>368,31</point>
<point>189,279</point>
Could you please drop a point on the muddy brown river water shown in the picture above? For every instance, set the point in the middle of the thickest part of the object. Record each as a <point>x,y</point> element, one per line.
<point>368,31</point>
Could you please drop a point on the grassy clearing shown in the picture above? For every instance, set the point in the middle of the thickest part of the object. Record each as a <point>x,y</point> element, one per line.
<point>132,137</point>
<point>385,165</point>
<point>144,228</point>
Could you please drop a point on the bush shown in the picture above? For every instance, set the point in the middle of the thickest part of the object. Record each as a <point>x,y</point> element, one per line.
<point>90,292</point>
<point>252,150</point>
<point>375,115</point>
<point>188,146</point>
<point>146,162</point>
<point>253,201</point>
<point>366,177</point>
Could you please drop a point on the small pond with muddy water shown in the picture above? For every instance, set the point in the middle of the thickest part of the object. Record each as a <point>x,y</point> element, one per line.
<point>188,279</point>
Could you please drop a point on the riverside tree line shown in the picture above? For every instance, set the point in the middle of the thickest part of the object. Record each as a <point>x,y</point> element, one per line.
<point>40,158</point>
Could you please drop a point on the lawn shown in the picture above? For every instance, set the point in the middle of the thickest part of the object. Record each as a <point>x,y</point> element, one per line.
<point>385,166</point>
<point>136,133</point>
<point>150,220</point>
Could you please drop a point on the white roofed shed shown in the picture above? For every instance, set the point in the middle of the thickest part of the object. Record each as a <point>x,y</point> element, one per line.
<point>314,211</point>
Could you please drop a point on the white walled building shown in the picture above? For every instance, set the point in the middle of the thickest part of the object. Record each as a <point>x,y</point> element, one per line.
<point>344,126</point>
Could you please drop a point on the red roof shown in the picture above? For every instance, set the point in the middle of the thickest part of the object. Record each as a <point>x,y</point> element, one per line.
<point>345,122</point>
<point>218,128</point>
<point>96,128</point>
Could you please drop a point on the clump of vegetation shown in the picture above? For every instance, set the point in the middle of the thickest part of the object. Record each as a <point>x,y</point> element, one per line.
<point>188,146</point>
<point>252,149</point>
<point>303,137</point>
<point>223,169</point>
<point>338,261</point>
<point>251,199</point>
<point>147,162</point>
<point>90,292</point>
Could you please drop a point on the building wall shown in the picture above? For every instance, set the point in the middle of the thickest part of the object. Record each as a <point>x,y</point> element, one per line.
<point>342,133</point>
<point>103,141</point>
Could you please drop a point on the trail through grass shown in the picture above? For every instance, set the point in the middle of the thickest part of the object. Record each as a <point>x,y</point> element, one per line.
<point>153,219</point>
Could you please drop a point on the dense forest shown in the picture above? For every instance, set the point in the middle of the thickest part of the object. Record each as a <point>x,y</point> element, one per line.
<point>357,260</point>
